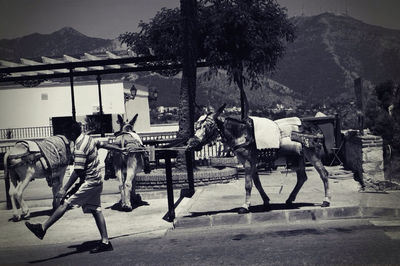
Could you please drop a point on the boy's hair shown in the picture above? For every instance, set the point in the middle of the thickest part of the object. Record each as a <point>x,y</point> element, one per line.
<point>72,130</point>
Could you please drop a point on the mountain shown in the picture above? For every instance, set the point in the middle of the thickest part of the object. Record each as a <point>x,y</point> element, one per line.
<point>64,41</point>
<point>330,51</point>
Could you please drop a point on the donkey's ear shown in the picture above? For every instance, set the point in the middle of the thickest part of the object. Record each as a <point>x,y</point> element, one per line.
<point>219,111</point>
<point>120,120</point>
<point>133,120</point>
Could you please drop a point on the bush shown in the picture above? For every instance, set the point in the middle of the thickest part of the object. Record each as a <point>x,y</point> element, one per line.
<point>383,113</point>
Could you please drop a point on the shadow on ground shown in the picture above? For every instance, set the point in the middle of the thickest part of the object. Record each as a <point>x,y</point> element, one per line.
<point>257,209</point>
<point>118,207</point>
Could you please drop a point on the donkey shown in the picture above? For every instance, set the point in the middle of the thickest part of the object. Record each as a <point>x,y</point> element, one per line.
<point>238,135</point>
<point>28,160</point>
<point>127,165</point>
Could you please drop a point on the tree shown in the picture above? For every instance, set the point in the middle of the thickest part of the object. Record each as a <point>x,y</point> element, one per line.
<point>244,37</point>
<point>383,113</point>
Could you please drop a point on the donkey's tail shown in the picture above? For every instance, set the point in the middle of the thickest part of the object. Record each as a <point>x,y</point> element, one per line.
<point>5,163</point>
<point>7,179</point>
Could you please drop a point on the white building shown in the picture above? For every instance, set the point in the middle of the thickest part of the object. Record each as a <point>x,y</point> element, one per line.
<point>22,107</point>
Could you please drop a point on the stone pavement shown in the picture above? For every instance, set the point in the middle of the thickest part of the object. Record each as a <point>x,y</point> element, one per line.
<point>211,205</point>
<point>217,205</point>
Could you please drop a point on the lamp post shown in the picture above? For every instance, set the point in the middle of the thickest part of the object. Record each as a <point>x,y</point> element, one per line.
<point>101,105</point>
<point>129,95</point>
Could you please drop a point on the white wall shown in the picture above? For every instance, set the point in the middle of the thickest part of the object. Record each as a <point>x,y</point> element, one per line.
<point>28,107</point>
<point>140,106</point>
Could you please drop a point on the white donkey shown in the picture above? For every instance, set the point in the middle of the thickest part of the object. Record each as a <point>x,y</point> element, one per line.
<point>127,165</point>
<point>28,160</point>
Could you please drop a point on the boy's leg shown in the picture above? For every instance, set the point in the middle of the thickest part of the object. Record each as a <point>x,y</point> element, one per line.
<point>101,225</point>
<point>57,214</point>
<point>105,244</point>
<point>40,229</point>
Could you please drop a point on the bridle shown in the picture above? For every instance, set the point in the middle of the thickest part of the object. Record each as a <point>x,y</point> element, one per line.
<point>210,127</point>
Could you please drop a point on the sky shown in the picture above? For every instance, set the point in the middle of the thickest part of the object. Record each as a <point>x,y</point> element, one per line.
<point>109,18</point>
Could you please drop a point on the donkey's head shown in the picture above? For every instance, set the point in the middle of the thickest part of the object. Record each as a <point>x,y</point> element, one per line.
<point>205,129</point>
<point>126,126</point>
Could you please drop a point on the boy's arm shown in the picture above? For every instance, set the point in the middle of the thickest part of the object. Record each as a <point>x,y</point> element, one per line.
<point>111,147</point>
<point>72,179</point>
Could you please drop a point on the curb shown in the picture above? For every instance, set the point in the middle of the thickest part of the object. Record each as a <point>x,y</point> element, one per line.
<point>284,216</point>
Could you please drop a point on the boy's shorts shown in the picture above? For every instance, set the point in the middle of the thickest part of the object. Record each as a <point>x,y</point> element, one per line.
<point>87,196</point>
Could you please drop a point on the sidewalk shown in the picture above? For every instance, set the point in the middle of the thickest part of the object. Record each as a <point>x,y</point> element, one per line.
<point>211,205</point>
<point>75,226</point>
<point>217,205</point>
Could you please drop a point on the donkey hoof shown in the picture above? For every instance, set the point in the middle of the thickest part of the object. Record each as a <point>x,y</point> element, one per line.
<point>243,210</point>
<point>15,218</point>
<point>325,204</point>
<point>26,216</point>
<point>127,208</point>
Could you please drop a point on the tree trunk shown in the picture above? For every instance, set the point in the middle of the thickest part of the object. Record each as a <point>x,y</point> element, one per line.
<point>238,79</point>
<point>188,83</point>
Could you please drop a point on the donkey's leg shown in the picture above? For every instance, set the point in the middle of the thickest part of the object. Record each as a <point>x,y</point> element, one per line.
<point>130,176</point>
<point>247,185</point>
<point>257,184</point>
<point>120,175</point>
<point>13,194</point>
<point>56,186</point>
<point>29,174</point>
<point>301,178</point>
<point>323,173</point>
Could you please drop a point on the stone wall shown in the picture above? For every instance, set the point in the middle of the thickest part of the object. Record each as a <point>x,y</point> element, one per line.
<point>364,156</point>
<point>202,176</point>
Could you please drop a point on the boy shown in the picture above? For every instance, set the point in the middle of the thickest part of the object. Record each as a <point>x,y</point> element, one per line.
<point>87,192</point>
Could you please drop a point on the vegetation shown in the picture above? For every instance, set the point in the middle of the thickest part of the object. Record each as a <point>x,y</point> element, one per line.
<point>383,113</point>
<point>246,38</point>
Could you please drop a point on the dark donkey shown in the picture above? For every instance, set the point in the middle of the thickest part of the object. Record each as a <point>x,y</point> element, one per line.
<point>239,136</point>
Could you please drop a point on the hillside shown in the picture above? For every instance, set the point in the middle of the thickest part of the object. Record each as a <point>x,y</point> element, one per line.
<point>330,51</point>
<point>64,41</point>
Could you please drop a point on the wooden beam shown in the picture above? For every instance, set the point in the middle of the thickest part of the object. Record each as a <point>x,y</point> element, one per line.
<point>47,60</point>
<point>76,63</point>
<point>114,56</point>
<point>93,57</point>
<point>72,59</point>
<point>34,63</point>
<point>95,72</point>
<point>9,65</point>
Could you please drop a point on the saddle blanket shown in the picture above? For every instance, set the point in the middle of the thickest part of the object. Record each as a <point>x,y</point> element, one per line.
<point>136,137</point>
<point>56,151</point>
<point>287,126</point>
<point>266,133</point>
<point>30,145</point>
<point>127,138</point>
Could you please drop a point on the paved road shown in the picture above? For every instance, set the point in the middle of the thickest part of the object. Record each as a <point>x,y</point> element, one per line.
<point>352,241</point>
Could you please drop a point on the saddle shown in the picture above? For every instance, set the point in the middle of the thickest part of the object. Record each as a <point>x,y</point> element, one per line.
<point>53,152</point>
<point>22,157</point>
<point>276,134</point>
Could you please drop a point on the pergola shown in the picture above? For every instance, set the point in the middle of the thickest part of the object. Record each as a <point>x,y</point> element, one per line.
<point>30,73</point>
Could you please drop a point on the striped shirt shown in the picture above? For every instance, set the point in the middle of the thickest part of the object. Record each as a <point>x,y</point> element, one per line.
<point>86,157</point>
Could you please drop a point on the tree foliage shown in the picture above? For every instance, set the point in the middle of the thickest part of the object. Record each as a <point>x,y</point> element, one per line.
<point>244,37</point>
<point>383,113</point>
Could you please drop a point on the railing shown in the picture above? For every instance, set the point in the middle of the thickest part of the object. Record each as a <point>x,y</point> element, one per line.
<point>162,138</point>
<point>26,132</point>
<point>157,136</point>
